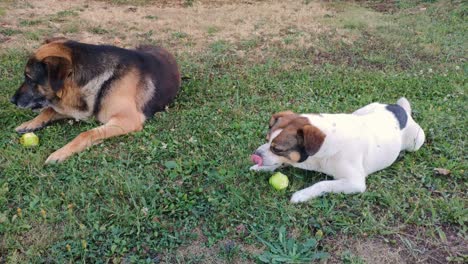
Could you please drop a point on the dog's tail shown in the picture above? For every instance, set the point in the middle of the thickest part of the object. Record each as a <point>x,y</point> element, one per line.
<point>414,136</point>
<point>403,102</point>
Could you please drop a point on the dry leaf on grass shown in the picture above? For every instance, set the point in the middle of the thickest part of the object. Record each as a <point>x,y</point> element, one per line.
<point>442,171</point>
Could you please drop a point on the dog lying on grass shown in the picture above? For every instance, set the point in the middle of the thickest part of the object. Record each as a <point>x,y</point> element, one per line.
<point>348,147</point>
<point>120,87</point>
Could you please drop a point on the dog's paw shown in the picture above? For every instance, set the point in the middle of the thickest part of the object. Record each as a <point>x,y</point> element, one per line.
<point>58,156</point>
<point>300,197</point>
<point>255,168</point>
<point>263,168</point>
<point>29,126</point>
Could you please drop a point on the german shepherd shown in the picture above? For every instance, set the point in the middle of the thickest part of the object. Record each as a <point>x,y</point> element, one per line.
<point>119,87</point>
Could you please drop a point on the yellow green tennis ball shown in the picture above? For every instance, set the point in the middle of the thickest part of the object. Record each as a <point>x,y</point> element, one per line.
<point>279,181</point>
<point>29,140</point>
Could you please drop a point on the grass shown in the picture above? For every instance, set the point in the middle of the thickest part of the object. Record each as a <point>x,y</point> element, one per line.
<point>180,190</point>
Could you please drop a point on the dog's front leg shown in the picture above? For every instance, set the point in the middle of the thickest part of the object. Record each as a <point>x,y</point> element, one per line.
<point>46,116</point>
<point>118,125</point>
<point>264,168</point>
<point>349,180</point>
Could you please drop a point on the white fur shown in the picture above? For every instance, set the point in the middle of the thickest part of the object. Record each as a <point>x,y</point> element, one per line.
<point>355,146</point>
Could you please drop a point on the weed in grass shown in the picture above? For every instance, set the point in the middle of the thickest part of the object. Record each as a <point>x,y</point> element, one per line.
<point>33,35</point>
<point>229,250</point>
<point>348,258</point>
<point>9,31</point>
<point>288,250</point>
<point>98,30</point>
<point>62,16</point>
<point>220,47</point>
<point>32,22</point>
<point>189,3</point>
<point>179,35</point>
<point>151,17</point>
<point>212,30</point>
<point>71,28</point>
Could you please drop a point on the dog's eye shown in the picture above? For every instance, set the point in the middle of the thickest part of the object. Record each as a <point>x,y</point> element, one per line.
<point>276,149</point>
<point>28,80</point>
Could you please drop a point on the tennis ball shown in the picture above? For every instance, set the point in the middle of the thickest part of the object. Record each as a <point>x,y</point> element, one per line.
<point>279,181</point>
<point>29,140</point>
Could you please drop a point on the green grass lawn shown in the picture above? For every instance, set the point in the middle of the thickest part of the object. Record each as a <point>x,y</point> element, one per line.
<point>180,191</point>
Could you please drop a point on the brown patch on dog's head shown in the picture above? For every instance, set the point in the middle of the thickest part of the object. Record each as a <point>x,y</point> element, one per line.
<point>54,48</point>
<point>298,139</point>
<point>279,121</point>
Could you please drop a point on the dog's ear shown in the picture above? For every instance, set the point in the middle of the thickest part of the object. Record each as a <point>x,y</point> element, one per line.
<point>54,39</point>
<point>58,69</point>
<point>311,138</point>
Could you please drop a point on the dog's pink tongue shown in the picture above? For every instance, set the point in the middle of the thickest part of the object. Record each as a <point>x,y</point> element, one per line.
<point>256,159</point>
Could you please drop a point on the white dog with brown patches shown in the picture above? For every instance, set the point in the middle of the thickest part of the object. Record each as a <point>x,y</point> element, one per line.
<point>346,146</point>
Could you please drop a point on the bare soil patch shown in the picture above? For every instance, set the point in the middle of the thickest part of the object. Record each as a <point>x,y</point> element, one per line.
<point>199,251</point>
<point>411,245</point>
<point>183,29</point>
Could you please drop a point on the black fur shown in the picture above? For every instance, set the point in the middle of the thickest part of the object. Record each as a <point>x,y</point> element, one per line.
<point>88,62</point>
<point>93,60</point>
<point>28,95</point>
<point>399,113</point>
<point>304,155</point>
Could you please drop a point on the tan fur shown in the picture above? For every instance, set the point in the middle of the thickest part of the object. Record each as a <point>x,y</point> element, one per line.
<point>294,156</point>
<point>53,49</point>
<point>118,101</point>
<point>119,124</point>
<point>120,115</point>
<point>144,93</point>
<point>69,96</point>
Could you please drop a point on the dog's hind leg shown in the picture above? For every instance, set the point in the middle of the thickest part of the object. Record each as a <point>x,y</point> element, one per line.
<point>413,134</point>
<point>117,125</point>
<point>45,117</point>
<point>413,137</point>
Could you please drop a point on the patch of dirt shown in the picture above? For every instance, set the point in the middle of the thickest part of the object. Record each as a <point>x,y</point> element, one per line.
<point>182,29</point>
<point>39,236</point>
<point>383,6</point>
<point>411,245</point>
<point>371,250</point>
<point>199,252</point>
<point>422,247</point>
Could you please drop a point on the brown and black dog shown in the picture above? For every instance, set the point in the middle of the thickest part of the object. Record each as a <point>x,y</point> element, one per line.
<point>120,87</point>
